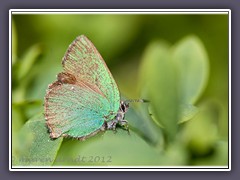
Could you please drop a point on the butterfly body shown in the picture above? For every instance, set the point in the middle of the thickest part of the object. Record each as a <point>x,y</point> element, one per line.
<point>84,100</point>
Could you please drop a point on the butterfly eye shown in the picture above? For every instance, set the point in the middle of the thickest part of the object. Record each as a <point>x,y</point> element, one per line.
<point>123,107</point>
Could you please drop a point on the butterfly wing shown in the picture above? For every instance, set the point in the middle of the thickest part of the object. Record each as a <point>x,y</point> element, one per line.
<point>72,110</point>
<point>84,61</point>
<point>85,94</point>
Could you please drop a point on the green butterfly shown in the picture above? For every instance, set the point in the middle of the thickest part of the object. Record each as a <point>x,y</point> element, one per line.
<point>85,99</point>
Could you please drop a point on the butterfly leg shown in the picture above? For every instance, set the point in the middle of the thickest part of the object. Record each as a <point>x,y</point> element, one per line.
<point>124,124</point>
<point>111,125</point>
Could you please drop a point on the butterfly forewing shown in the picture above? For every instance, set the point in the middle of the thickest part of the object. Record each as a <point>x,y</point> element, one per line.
<point>84,61</point>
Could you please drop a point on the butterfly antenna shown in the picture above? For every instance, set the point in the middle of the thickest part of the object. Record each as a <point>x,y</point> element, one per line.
<point>137,100</point>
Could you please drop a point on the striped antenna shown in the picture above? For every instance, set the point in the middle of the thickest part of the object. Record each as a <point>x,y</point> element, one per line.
<point>136,100</point>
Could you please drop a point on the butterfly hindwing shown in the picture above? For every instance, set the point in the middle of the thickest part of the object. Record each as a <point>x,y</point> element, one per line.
<point>72,110</point>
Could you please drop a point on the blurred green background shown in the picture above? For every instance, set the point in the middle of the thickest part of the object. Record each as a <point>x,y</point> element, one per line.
<point>178,62</point>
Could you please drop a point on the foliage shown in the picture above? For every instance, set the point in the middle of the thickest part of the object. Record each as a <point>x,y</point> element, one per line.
<point>185,122</point>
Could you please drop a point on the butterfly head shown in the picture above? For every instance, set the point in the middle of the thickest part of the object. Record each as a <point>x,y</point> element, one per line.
<point>124,106</point>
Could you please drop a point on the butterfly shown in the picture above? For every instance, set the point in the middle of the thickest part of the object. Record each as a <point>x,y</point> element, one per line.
<point>84,100</point>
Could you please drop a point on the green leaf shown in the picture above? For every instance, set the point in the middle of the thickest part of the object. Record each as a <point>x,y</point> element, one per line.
<point>17,123</point>
<point>17,119</point>
<point>24,74</point>
<point>140,122</point>
<point>187,112</point>
<point>28,108</point>
<point>158,84</point>
<point>26,63</point>
<point>191,61</point>
<point>173,79</point>
<point>108,150</point>
<point>118,149</point>
<point>201,133</point>
<point>152,114</point>
<point>33,145</point>
<point>175,154</point>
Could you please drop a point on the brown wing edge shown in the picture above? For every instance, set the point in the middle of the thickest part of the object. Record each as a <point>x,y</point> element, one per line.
<point>62,78</point>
